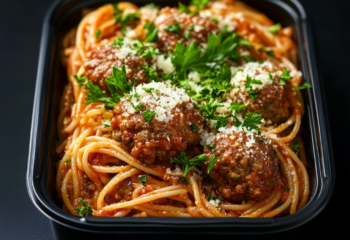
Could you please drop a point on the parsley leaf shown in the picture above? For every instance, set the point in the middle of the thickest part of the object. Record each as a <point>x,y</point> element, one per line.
<point>97,33</point>
<point>200,4</point>
<point>151,74</point>
<point>211,164</point>
<point>138,107</point>
<point>285,77</point>
<point>238,177</point>
<point>184,180</point>
<point>188,165</point>
<point>84,210</point>
<point>194,127</point>
<point>68,161</point>
<point>148,115</point>
<point>106,123</point>
<point>80,79</point>
<point>274,29</point>
<point>124,18</point>
<point>252,121</point>
<point>95,94</point>
<point>270,53</point>
<point>187,35</point>
<point>237,107</point>
<point>118,83</point>
<point>144,179</point>
<point>295,147</point>
<point>175,28</point>
<point>215,20</point>
<point>259,140</point>
<point>305,85</point>
<point>287,189</point>
<point>148,90</point>
<point>183,8</point>
<point>251,81</point>
<point>152,34</point>
<point>210,146</point>
<point>214,198</point>
<point>271,78</point>
<point>253,94</point>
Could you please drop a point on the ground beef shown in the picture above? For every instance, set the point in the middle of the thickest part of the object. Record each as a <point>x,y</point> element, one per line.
<point>101,59</point>
<point>244,170</point>
<point>201,28</point>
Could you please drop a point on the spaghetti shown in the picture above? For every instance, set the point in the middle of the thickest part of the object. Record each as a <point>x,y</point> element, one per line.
<point>181,112</point>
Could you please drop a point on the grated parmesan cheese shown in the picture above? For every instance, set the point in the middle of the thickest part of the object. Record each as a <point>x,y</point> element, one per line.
<point>162,99</point>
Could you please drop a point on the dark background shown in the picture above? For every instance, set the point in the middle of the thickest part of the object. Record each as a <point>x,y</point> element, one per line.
<point>21,25</point>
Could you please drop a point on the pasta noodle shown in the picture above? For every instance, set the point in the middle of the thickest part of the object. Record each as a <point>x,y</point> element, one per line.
<point>101,174</point>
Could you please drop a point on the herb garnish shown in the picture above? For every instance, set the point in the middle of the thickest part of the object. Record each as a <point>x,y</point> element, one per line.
<point>295,147</point>
<point>152,34</point>
<point>188,165</point>
<point>106,123</point>
<point>194,127</point>
<point>144,179</point>
<point>274,29</point>
<point>211,164</point>
<point>84,210</point>
<point>137,107</point>
<point>184,180</point>
<point>305,85</point>
<point>148,115</point>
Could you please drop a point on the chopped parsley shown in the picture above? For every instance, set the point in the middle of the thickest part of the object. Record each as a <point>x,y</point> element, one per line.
<point>287,189</point>
<point>270,53</point>
<point>285,77</point>
<point>80,79</point>
<point>215,20</point>
<point>144,179</point>
<point>211,164</point>
<point>152,34</point>
<point>252,121</point>
<point>138,107</point>
<point>274,29</point>
<point>252,93</point>
<point>175,28</point>
<point>259,140</point>
<point>151,74</point>
<point>148,115</point>
<point>237,107</point>
<point>190,27</point>
<point>238,177</point>
<point>106,123</point>
<point>124,18</point>
<point>183,8</point>
<point>214,198</point>
<point>305,85</point>
<point>200,4</point>
<point>148,90</point>
<point>184,180</point>
<point>187,35</point>
<point>194,127</point>
<point>210,146</point>
<point>84,210</point>
<point>97,33</point>
<point>295,147</point>
<point>186,164</point>
<point>68,161</point>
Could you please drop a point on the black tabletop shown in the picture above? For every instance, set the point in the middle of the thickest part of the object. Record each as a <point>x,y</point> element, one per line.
<point>21,24</point>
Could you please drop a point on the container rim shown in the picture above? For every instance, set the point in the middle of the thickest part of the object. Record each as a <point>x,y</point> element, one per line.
<point>94,224</point>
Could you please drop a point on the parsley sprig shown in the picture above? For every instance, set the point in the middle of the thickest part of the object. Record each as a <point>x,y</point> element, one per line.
<point>124,18</point>
<point>152,34</point>
<point>295,147</point>
<point>84,210</point>
<point>148,115</point>
<point>304,86</point>
<point>285,77</point>
<point>186,164</point>
<point>144,179</point>
<point>211,164</point>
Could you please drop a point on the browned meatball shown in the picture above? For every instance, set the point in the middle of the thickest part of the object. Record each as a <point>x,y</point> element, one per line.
<point>100,60</point>
<point>272,98</point>
<point>192,28</point>
<point>166,133</point>
<point>245,169</point>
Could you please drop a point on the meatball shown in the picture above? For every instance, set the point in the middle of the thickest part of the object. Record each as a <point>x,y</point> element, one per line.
<point>100,60</point>
<point>269,98</point>
<point>157,121</point>
<point>192,28</point>
<point>246,166</point>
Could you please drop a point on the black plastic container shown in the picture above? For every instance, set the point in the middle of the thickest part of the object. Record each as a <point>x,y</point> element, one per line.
<point>51,79</point>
